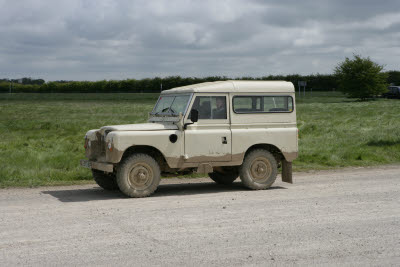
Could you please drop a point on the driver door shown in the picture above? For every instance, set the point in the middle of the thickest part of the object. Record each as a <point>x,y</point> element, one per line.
<point>209,139</point>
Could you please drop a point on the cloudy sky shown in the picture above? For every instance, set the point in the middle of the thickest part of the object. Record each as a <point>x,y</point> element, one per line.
<point>119,39</point>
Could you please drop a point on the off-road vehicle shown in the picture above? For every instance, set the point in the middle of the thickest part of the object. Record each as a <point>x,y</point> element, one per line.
<point>226,129</point>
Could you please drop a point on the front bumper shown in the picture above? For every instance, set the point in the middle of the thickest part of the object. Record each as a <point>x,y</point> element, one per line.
<point>105,167</point>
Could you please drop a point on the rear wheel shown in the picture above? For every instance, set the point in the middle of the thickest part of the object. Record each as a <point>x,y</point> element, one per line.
<point>226,176</point>
<point>138,175</point>
<point>105,180</point>
<point>259,170</point>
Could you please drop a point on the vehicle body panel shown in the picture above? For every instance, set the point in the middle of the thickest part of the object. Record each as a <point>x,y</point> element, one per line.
<point>122,140</point>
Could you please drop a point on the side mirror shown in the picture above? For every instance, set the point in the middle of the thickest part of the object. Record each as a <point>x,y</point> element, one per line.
<point>194,115</point>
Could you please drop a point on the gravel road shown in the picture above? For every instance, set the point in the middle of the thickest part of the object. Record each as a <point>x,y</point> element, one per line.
<point>345,217</point>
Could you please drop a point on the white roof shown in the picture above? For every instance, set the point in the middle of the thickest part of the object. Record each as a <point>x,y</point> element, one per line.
<point>235,86</point>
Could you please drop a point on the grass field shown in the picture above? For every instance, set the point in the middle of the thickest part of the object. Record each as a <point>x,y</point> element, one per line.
<point>42,134</point>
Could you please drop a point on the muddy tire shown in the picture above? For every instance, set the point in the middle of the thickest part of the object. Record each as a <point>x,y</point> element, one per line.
<point>225,178</point>
<point>105,180</point>
<point>259,170</point>
<point>138,175</point>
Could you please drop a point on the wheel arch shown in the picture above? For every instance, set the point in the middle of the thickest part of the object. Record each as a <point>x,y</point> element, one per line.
<point>274,150</point>
<point>148,150</point>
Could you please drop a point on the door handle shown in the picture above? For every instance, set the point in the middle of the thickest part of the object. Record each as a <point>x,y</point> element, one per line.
<point>224,141</point>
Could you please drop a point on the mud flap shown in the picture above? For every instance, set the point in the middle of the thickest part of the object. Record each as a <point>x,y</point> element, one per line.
<point>287,172</point>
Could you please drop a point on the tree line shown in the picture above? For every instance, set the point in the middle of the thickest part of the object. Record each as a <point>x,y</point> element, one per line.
<point>25,81</point>
<point>316,82</point>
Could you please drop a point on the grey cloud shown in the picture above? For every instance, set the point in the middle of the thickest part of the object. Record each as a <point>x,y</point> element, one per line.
<point>94,40</point>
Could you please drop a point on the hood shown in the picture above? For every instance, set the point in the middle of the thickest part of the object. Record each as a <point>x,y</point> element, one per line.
<point>139,127</point>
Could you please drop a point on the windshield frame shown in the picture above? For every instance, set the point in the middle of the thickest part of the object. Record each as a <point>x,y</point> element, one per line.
<point>170,114</point>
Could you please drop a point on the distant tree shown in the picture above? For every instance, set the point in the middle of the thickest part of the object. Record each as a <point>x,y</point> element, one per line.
<point>38,81</point>
<point>361,77</point>
<point>394,77</point>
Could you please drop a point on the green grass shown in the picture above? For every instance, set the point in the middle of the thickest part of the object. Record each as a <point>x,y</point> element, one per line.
<point>339,132</point>
<point>42,134</point>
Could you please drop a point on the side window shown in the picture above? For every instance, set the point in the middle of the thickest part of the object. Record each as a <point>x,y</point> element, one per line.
<point>210,107</point>
<point>278,103</point>
<point>247,104</point>
<point>257,104</point>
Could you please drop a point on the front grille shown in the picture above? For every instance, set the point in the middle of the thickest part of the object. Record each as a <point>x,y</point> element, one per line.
<point>97,148</point>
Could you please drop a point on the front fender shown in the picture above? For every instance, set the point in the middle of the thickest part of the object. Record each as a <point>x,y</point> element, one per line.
<point>160,140</point>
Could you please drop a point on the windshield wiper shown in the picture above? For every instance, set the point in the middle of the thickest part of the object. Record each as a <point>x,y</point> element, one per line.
<point>170,109</point>
<point>173,112</point>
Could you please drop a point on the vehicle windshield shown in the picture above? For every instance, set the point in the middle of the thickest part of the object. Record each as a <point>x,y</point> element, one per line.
<point>171,104</point>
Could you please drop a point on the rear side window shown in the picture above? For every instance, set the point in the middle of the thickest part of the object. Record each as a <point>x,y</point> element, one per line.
<point>262,104</point>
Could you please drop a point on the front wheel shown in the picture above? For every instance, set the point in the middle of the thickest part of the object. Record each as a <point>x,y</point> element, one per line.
<point>259,170</point>
<point>138,176</point>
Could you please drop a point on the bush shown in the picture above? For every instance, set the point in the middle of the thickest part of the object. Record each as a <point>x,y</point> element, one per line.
<point>393,77</point>
<point>361,77</point>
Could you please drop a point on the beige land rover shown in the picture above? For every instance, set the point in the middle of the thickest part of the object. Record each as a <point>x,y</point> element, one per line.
<point>226,129</point>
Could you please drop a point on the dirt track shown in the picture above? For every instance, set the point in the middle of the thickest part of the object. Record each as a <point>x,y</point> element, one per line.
<point>349,217</point>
